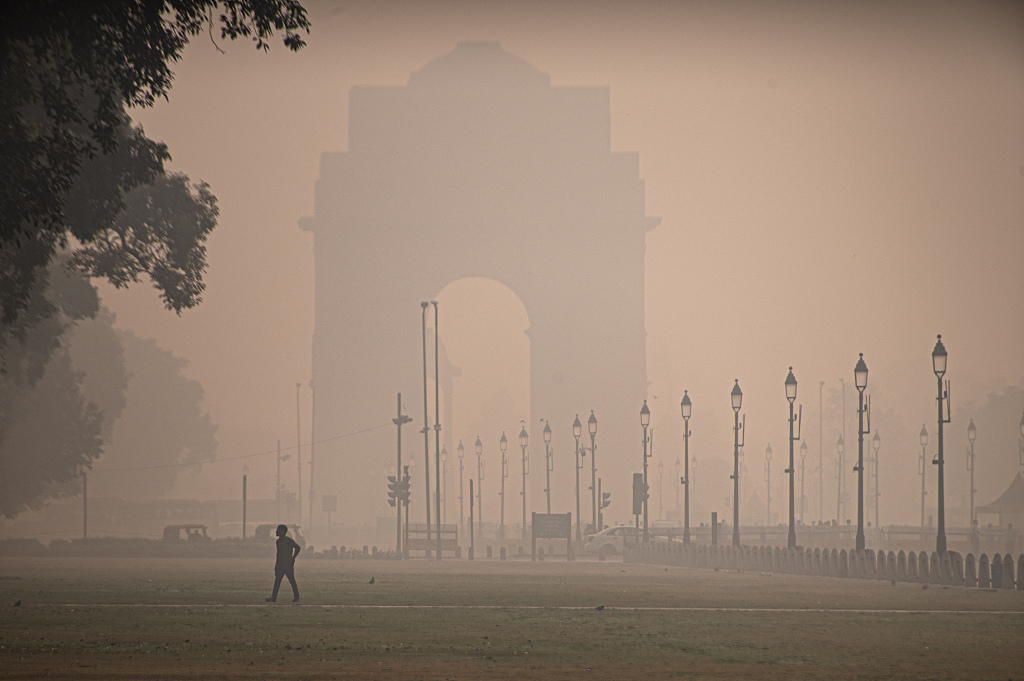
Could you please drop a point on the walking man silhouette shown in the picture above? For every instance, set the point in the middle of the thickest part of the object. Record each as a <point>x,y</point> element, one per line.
<point>287,551</point>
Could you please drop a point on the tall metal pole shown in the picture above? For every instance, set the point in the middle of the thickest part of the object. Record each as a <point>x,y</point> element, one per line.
<point>876,442</point>
<point>821,457</point>
<point>85,505</point>
<point>686,468</point>
<point>426,421</point>
<point>803,497</point>
<point>399,420</point>
<point>737,403</point>
<point>647,536</point>
<point>841,493</point>
<point>472,542</point>
<point>522,445</point>
<point>577,430</point>
<point>245,501</point>
<point>298,446</point>
<point>768,480</point>
<point>923,467</point>
<point>437,432</point>
<point>661,508</point>
<point>479,485</point>
<point>277,493</point>
<point>503,445</point>
<point>548,463</point>
<point>971,433</point>
<point>462,516</point>
<point>939,366</point>
<point>861,382</point>
<point>686,408</point>
<point>592,427</point>
<point>791,386</point>
<point>312,444</point>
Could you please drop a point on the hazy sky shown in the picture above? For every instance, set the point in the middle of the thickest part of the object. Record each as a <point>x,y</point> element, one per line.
<point>832,178</point>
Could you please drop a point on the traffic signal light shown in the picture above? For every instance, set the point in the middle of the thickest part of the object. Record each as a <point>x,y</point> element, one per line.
<point>639,493</point>
<point>394,489</point>
<point>606,499</point>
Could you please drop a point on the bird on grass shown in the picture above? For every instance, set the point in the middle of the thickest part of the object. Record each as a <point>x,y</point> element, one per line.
<point>599,608</point>
<point>372,580</point>
<point>17,603</point>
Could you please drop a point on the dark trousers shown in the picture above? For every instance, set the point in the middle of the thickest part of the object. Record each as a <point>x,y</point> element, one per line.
<point>288,572</point>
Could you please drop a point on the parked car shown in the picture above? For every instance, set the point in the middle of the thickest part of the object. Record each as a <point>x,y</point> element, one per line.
<point>612,539</point>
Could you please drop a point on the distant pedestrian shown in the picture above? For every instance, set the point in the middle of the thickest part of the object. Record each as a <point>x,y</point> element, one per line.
<point>287,551</point>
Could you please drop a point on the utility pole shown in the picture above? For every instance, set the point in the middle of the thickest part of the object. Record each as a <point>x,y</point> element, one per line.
<point>821,457</point>
<point>437,433</point>
<point>245,500</point>
<point>426,421</point>
<point>312,444</point>
<point>399,420</point>
<point>298,446</point>
<point>277,489</point>
<point>85,505</point>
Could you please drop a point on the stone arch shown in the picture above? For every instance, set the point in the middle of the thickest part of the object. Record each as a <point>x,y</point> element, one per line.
<point>478,166</point>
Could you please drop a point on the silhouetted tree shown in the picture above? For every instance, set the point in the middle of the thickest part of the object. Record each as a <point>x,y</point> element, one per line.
<point>69,157</point>
<point>48,431</point>
<point>162,423</point>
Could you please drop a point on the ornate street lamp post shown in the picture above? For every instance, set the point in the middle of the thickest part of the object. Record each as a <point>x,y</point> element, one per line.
<point>860,377</point>
<point>791,397</point>
<point>972,433</point>
<point>503,445</point>
<point>768,479</point>
<point>876,443</point>
<point>524,440</point>
<point>737,403</point>
<point>577,430</point>
<point>939,367</point>
<point>592,428</point>
<point>549,462</point>
<point>922,467</point>
<point>678,466</point>
<point>645,420</point>
<point>479,448</point>
<point>686,407</point>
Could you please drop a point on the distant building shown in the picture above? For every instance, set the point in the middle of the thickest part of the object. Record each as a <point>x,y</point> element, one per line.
<point>1009,507</point>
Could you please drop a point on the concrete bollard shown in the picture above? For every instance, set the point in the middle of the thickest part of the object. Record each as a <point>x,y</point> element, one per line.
<point>970,572</point>
<point>1020,571</point>
<point>503,554</point>
<point>1008,581</point>
<point>984,577</point>
<point>490,551</point>
<point>996,571</point>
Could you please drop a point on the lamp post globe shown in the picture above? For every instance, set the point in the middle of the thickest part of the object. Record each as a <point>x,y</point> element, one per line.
<point>939,357</point>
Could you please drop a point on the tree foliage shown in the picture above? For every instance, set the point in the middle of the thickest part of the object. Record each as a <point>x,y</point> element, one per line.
<point>70,158</point>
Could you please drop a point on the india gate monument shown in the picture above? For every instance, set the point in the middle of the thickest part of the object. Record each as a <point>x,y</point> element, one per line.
<point>478,167</point>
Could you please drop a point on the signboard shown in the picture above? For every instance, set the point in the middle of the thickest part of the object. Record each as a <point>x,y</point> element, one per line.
<point>552,526</point>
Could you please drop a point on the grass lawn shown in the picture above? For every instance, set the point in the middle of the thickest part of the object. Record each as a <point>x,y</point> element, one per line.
<point>167,619</point>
